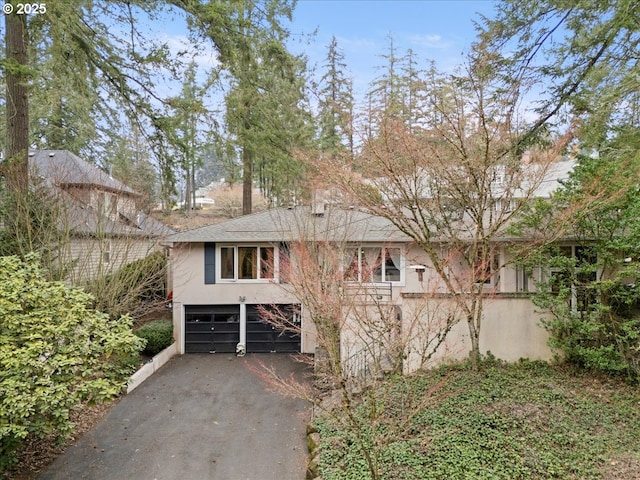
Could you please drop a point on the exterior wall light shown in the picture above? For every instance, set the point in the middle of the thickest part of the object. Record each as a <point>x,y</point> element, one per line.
<point>420,269</point>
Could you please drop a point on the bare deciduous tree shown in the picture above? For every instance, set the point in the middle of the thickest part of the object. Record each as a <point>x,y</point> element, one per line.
<point>360,335</point>
<point>454,183</point>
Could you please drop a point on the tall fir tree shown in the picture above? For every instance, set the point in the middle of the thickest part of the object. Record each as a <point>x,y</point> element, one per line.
<point>336,104</point>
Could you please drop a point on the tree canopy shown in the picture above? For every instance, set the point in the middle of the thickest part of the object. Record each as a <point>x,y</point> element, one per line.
<point>95,66</point>
<point>578,58</point>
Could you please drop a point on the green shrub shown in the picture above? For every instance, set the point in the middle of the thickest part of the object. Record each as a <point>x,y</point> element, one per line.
<point>602,336</point>
<point>158,334</point>
<point>55,353</point>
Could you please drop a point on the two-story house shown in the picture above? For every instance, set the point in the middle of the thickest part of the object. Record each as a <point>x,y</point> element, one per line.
<point>226,274</point>
<point>98,223</point>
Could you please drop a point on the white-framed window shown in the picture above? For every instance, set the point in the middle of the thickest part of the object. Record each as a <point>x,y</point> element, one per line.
<point>523,279</point>
<point>374,264</point>
<point>246,263</point>
<point>487,271</point>
<point>582,298</point>
<point>500,204</point>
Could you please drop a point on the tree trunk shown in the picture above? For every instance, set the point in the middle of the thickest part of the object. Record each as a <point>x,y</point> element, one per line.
<point>16,168</point>
<point>474,353</point>
<point>187,192</point>
<point>247,181</point>
<point>193,185</point>
<point>474,321</point>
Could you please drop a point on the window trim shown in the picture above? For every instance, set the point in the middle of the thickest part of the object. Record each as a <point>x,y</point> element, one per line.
<point>274,277</point>
<point>381,247</point>
<point>572,251</point>
<point>524,279</point>
<point>493,278</point>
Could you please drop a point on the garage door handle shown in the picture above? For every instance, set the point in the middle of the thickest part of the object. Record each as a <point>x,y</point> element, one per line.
<point>213,328</point>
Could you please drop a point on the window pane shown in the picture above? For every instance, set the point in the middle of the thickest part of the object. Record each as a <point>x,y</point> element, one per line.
<point>392,264</point>
<point>371,264</point>
<point>560,282</point>
<point>227,262</point>
<point>247,263</point>
<point>266,262</point>
<point>586,263</point>
<point>486,269</point>
<point>565,251</point>
<point>351,265</point>
<point>284,254</point>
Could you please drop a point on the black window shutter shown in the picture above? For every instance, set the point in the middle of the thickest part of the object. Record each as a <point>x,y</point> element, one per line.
<point>209,263</point>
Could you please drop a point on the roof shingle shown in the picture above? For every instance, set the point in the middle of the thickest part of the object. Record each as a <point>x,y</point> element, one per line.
<point>287,224</point>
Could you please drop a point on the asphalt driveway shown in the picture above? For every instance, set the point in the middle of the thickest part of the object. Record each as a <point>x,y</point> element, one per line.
<point>199,417</point>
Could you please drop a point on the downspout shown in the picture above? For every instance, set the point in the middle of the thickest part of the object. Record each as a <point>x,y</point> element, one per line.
<point>241,348</point>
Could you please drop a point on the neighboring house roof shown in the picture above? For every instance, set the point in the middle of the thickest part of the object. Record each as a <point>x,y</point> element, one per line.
<point>66,169</point>
<point>83,219</point>
<point>554,174</point>
<point>537,180</point>
<point>61,169</point>
<point>287,224</point>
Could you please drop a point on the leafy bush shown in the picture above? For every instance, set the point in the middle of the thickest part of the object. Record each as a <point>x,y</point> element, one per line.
<point>605,343</point>
<point>55,353</point>
<point>133,289</point>
<point>590,291</point>
<point>158,334</point>
<point>594,324</point>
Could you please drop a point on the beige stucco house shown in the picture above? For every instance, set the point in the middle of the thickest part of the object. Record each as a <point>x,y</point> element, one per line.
<point>225,275</point>
<point>224,272</point>
<point>98,227</point>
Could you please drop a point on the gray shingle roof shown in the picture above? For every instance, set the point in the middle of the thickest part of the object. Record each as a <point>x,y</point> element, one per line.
<point>65,168</point>
<point>287,224</point>
<point>82,219</point>
<point>61,169</point>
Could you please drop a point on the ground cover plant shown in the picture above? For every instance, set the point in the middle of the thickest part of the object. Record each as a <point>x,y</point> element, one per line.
<point>525,421</point>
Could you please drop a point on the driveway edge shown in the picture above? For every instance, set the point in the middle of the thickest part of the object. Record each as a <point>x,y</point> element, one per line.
<point>150,368</point>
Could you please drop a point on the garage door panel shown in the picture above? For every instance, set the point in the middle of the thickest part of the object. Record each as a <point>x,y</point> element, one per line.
<point>264,337</point>
<point>197,346</point>
<point>287,342</point>
<point>212,328</point>
<point>225,337</point>
<point>216,329</point>
<point>259,337</point>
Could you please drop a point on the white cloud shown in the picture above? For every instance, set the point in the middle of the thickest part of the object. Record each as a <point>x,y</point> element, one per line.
<point>430,41</point>
<point>356,45</point>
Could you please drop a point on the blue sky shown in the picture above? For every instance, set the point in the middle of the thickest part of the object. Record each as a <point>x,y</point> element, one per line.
<point>439,30</point>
